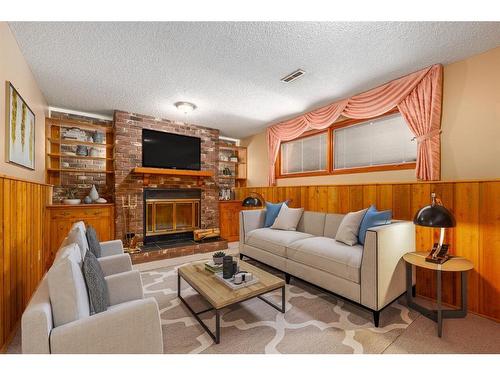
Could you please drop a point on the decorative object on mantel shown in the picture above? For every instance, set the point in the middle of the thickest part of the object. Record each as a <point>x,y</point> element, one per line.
<point>21,131</point>
<point>101,200</point>
<point>71,196</point>
<point>129,207</point>
<point>218,257</point>
<point>253,200</point>
<point>87,200</point>
<point>94,195</point>
<point>436,216</point>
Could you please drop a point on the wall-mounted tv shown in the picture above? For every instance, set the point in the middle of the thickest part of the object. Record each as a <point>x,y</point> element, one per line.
<point>167,150</point>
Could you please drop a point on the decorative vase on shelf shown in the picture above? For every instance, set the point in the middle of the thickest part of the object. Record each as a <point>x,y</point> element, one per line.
<point>87,200</point>
<point>98,137</point>
<point>81,150</point>
<point>94,195</point>
<point>93,151</point>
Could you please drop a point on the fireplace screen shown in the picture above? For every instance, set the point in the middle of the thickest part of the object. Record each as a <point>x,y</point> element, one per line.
<point>166,216</point>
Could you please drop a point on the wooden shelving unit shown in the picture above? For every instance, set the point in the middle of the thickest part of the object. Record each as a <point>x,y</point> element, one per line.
<point>237,169</point>
<point>58,154</point>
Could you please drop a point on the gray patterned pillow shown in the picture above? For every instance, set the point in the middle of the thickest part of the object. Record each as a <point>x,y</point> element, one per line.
<point>93,241</point>
<point>96,284</point>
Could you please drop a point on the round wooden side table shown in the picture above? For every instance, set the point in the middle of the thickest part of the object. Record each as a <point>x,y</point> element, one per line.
<point>454,264</point>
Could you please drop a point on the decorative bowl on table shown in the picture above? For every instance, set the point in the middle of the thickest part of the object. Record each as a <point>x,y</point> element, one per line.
<point>72,201</point>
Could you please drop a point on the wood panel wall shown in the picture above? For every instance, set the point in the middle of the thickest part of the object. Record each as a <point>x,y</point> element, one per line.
<point>475,204</point>
<point>22,263</point>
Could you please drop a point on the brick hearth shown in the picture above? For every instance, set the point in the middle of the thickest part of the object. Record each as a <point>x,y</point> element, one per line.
<point>128,155</point>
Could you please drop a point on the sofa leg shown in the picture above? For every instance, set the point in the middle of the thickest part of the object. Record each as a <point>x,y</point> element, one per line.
<point>241,256</point>
<point>287,278</point>
<point>413,290</point>
<point>376,315</point>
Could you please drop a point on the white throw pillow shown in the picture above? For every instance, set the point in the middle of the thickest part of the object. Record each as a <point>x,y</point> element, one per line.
<point>349,227</point>
<point>288,218</point>
<point>67,290</point>
<point>77,235</point>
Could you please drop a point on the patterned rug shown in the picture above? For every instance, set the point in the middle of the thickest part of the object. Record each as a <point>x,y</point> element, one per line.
<point>314,322</point>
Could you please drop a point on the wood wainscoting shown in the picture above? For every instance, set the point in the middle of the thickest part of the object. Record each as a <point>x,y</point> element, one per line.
<point>475,204</point>
<point>22,256</point>
<point>60,218</point>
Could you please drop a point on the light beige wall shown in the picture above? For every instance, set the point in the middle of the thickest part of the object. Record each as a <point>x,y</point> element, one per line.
<point>470,142</point>
<point>13,68</point>
<point>257,159</point>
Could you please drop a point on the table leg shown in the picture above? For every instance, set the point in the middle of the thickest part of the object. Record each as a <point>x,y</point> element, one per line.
<point>217,326</point>
<point>178,285</point>
<point>283,303</point>
<point>409,281</point>
<point>439,307</point>
<point>463,280</point>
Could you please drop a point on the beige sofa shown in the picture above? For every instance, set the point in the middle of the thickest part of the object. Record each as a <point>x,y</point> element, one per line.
<point>372,275</point>
<point>131,324</point>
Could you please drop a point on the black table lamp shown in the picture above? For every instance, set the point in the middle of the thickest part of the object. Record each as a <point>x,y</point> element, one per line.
<point>436,216</point>
<point>253,200</point>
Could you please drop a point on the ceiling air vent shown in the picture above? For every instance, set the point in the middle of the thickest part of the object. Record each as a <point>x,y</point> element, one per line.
<point>293,76</point>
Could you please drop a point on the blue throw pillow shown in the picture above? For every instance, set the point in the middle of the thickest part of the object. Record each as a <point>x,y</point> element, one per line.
<point>373,218</point>
<point>272,211</point>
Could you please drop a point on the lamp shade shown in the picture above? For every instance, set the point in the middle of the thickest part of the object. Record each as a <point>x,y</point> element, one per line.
<point>253,200</point>
<point>435,216</point>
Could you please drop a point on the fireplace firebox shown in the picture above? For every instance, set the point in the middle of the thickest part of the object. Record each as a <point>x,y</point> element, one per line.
<point>171,214</point>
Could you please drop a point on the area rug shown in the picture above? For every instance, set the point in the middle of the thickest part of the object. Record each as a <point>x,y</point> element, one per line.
<point>314,321</point>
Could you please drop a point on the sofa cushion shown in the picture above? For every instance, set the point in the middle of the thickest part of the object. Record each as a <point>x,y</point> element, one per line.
<point>67,290</point>
<point>77,235</point>
<point>332,223</point>
<point>349,227</point>
<point>79,224</point>
<point>96,284</point>
<point>93,241</point>
<point>312,223</point>
<point>328,255</point>
<point>288,218</point>
<point>373,218</point>
<point>272,211</point>
<point>273,240</point>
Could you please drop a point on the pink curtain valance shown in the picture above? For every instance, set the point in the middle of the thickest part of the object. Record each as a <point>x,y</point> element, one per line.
<point>418,98</point>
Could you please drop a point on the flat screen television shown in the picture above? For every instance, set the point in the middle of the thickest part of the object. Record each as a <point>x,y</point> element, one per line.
<point>173,151</point>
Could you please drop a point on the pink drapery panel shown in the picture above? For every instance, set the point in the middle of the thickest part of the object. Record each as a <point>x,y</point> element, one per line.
<point>422,111</point>
<point>420,92</point>
<point>320,118</point>
<point>382,99</point>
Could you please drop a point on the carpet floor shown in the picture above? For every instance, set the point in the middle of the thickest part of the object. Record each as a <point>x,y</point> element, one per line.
<point>314,322</point>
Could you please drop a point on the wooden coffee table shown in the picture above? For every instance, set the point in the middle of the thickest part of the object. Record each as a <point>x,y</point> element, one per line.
<point>219,295</point>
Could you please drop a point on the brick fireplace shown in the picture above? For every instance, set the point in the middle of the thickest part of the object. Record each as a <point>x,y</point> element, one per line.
<point>128,155</point>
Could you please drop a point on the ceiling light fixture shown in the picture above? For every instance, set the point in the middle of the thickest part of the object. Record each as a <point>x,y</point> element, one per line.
<point>185,107</point>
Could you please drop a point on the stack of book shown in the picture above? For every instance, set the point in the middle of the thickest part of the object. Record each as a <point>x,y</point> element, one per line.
<point>212,267</point>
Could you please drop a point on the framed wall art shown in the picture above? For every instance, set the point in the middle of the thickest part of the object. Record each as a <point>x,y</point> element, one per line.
<point>20,130</point>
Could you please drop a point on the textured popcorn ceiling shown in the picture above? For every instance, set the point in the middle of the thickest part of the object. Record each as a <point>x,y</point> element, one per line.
<point>232,71</point>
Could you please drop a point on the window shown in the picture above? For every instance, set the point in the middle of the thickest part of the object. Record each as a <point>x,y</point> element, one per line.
<point>307,154</point>
<point>382,141</point>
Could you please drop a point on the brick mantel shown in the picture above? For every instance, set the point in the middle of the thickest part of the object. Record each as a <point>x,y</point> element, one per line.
<point>128,155</point>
